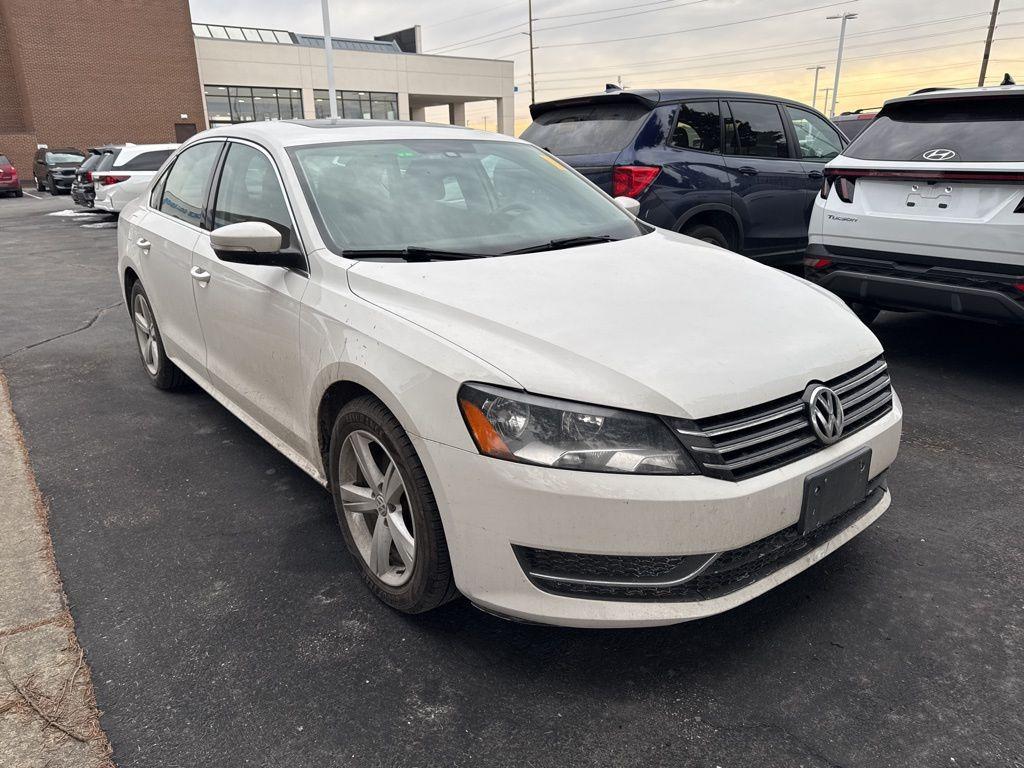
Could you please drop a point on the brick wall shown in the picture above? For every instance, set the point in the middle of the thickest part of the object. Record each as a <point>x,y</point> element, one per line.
<point>95,71</point>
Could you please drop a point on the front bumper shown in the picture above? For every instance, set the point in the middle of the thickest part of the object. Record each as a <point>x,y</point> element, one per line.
<point>894,281</point>
<point>492,508</point>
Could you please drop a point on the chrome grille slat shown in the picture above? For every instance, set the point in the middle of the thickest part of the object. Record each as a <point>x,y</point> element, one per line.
<point>756,440</point>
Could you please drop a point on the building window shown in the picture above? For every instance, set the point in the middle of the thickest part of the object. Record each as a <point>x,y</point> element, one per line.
<point>358,105</point>
<point>238,104</point>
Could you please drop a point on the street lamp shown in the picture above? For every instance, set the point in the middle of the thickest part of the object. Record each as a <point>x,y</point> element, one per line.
<point>814,93</point>
<point>329,59</point>
<point>839,56</point>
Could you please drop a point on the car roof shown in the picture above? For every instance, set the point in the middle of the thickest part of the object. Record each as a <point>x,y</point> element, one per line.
<point>652,97</point>
<point>943,94</point>
<point>292,133</point>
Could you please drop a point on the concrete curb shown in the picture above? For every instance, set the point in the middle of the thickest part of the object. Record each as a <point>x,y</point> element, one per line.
<point>48,713</point>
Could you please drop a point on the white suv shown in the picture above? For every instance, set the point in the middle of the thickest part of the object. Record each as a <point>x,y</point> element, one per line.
<point>125,174</point>
<point>925,210</point>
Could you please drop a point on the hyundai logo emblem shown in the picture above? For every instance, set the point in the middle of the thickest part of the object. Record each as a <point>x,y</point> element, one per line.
<point>939,154</point>
<point>825,412</point>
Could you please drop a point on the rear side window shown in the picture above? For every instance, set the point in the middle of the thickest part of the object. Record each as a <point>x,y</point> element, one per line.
<point>698,126</point>
<point>146,161</point>
<point>984,130</point>
<point>184,193</point>
<point>587,129</point>
<point>755,130</point>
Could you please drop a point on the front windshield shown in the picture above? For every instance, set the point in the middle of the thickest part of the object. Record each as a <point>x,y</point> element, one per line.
<point>484,197</point>
<point>58,158</point>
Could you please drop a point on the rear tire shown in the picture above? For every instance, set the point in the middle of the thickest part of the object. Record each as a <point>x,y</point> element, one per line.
<point>19,193</point>
<point>365,422</point>
<point>865,313</point>
<point>708,234</point>
<point>163,374</point>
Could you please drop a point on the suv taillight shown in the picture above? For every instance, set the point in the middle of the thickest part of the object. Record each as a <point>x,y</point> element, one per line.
<point>632,180</point>
<point>108,180</point>
<point>88,176</point>
<point>844,186</point>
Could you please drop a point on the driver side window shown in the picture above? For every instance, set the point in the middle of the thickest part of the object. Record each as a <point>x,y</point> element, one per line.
<point>816,138</point>
<point>249,190</point>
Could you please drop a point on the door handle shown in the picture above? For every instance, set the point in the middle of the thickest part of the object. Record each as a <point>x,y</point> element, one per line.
<point>747,170</point>
<point>144,244</point>
<point>815,175</point>
<point>200,275</point>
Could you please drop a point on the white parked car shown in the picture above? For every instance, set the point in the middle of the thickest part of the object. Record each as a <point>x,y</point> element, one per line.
<point>925,210</point>
<point>512,387</point>
<point>126,173</point>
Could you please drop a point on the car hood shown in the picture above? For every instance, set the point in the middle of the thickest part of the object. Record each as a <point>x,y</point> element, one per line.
<point>659,323</point>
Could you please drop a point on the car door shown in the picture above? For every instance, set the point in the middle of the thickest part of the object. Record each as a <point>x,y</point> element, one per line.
<point>767,179</point>
<point>250,313</point>
<point>166,241</point>
<point>817,142</point>
<point>693,175</point>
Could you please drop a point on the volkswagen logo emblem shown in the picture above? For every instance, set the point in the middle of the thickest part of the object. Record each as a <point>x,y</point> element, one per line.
<point>825,412</point>
<point>939,154</point>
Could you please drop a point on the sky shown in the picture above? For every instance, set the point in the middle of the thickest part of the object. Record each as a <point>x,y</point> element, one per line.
<point>892,48</point>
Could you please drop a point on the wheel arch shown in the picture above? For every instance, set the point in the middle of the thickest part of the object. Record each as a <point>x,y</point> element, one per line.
<point>715,214</point>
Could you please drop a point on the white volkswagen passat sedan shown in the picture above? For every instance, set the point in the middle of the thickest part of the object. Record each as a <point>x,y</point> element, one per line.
<point>513,388</point>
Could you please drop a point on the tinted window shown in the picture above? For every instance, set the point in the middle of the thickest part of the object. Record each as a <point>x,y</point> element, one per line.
<point>185,189</point>
<point>147,161</point>
<point>977,130</point>
<point>755,130</point>
<point>587,129</point>
<point>475,196</point>
<point>698,127</point>
<point>91,162</point>
<point>816,139</point>
<point>250,191</point>
<point>4,160</point>
<point>853,128</point>
<point>107,161</point>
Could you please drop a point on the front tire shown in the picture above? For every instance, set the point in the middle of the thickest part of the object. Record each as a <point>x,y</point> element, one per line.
<point>163,374</point>
<point>52,185</point>
<point>40,187</point>
<point>386,509</point>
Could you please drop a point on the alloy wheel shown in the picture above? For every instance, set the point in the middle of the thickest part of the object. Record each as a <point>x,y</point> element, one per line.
<point>376,507</point>
<point>145,332</point>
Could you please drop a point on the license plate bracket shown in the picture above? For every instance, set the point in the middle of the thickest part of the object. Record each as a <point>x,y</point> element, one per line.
<point>833,490</point>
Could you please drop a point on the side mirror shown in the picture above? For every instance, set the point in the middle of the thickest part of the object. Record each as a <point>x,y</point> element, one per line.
<point>253,242</point>
<point>629,204</point>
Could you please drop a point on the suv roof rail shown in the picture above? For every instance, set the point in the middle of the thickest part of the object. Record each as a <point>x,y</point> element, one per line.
<point>933,89</point>
<point>860,111</point>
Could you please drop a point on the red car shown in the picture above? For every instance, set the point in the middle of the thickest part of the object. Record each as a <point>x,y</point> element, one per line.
<point>9,182</point>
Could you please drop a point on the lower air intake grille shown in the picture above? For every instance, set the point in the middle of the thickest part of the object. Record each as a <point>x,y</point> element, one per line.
<point>698,577</point>
<point>745,443</point>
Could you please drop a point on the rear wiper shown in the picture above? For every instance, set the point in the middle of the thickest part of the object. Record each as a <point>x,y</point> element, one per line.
<point>566,242</point>
<point>410,253</point>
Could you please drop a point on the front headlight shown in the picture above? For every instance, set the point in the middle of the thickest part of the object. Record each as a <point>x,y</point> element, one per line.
<point>516,426</point>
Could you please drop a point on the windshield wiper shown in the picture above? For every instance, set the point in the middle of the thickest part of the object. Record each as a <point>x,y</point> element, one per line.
<point>566,242</point>
<point>410,253</point>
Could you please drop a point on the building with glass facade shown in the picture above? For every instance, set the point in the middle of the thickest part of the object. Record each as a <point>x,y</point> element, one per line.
<point>271,74</point>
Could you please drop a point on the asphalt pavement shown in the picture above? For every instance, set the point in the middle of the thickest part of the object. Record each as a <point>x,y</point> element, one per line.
<point>225,624</point>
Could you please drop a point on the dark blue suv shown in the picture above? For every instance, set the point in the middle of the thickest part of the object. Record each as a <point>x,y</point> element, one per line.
<point>735,169</point>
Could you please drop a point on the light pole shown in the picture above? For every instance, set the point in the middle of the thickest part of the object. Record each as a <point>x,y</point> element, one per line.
<point>814,93</point>
<point>988,43</point>
<point>533,88</point>
<point>827,92</point>
<point>329,58</point>
<point>839,56</point>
